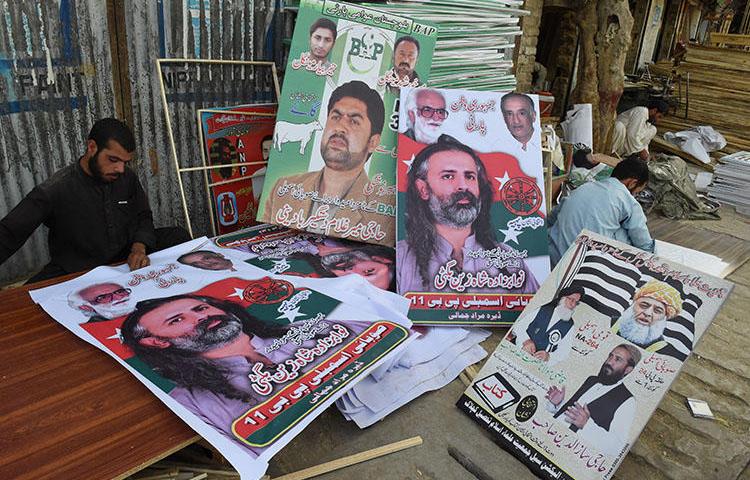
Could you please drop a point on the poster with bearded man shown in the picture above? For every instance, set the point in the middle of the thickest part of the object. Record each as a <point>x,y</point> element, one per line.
<point>246,358</point>
<point>471,234</point>
<point>575,381</point>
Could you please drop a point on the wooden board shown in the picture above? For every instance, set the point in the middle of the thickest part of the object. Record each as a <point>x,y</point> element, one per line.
<point>70,411</point>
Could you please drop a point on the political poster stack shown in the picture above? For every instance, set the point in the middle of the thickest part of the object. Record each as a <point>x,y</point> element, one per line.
<point>244,357</point>
<point>475,40</point>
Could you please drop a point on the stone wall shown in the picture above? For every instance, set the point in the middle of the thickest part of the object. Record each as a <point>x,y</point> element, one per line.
<point>526,51</point>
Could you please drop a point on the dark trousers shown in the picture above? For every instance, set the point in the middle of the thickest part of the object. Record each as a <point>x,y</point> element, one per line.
<point>165,237</point>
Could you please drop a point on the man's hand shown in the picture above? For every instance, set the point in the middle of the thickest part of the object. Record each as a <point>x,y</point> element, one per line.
<point>644,155</point>
<point>578,414</point>
<point>542,355</point>
<point>529,347</point>
<point>138,258</point>
<point>555,395</point>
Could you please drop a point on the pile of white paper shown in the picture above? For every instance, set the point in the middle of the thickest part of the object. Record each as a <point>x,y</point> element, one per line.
<point>731,182</point>
<point>429,363</point>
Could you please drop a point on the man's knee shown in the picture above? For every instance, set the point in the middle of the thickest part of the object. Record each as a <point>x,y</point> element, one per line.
<point>170,236</point>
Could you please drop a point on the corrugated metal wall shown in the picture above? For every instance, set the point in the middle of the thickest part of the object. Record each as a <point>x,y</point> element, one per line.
<point>57,76</point>
<point>55,80</point>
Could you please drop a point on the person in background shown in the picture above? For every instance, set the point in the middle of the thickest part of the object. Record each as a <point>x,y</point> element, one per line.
<point>607,207</point>
<point>635,128</point>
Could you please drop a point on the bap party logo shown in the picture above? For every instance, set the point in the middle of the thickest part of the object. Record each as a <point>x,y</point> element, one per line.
<point>367,46</point>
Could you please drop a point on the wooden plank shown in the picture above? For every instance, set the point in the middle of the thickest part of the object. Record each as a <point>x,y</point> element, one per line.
<point>716,38</point>
<point>68,409</point>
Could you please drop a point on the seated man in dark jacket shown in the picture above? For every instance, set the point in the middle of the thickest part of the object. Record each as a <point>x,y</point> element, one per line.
<point>96,210</point>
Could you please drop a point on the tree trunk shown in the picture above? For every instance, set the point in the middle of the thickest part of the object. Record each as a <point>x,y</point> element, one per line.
<point>613,40</point>
<point>605,27</point>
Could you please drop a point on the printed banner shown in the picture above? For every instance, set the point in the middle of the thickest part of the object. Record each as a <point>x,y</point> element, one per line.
<point>573,383</point>
<point>332,166</point>
<point>472,240</point>
<point>231,138</point>
<point>245,358</point>
<point>279,250</point>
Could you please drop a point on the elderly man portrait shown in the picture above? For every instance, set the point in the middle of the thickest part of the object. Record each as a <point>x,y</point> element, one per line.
<point>644,322</point>
<point>448,203</point>
<point>208,348</point>
<point>96,210</point>
<point>322,39</point>
<point>426,112</point>
<point>547,332</point>
<point>351,134</point>
<point>102,301</point>
<point>603,408</point>
<point>519,116</point>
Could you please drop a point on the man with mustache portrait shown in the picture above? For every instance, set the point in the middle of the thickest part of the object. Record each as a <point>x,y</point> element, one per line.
<point>102,301</point>
<point>448,203</point>
<point>351,134</point>
<point>405,56</point>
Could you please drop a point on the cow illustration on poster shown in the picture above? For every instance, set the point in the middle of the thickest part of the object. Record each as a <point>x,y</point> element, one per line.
<point>332,168</point>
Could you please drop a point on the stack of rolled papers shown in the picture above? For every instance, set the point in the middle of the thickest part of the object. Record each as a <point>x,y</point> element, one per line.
<point>474,49</point>
<point>430,362</point>
<point>731,182</point>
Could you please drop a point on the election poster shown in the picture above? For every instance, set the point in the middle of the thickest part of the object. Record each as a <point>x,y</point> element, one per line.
<point>280,250</point>
<point>246,358</point>
<point>332,166</point>
<point>471,238</point>
<point>574,382</point>
<point>239,140</point>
